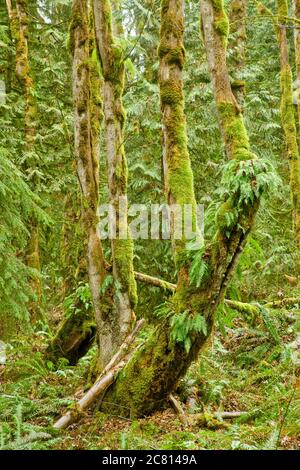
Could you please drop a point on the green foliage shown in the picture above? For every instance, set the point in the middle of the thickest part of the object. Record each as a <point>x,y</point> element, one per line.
<point>82,294</point>
<point>245,181</point>
<point>17,205</point>
<point>185,325</point>
<point>107,282</point>
<point>269,324</point>
<point>252,365</point>
<point>198,268</point>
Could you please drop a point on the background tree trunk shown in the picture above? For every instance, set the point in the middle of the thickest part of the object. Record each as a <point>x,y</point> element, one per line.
<point>18,16</point>
<point>237,47</point>
<point>288,115</point>
<point>296,8</point>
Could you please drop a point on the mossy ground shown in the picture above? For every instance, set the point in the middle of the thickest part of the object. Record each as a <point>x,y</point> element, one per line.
<point>242,370</point>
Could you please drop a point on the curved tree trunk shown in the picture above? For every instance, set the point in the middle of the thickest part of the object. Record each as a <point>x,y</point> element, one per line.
<point>116,325</point>
<point>145,383</point>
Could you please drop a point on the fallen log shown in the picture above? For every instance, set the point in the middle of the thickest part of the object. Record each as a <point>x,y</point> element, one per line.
<point>288,302</point>
<point>106,378</point>
<point>230,414</point>
<point>176,405</point>
<point>211,420</point>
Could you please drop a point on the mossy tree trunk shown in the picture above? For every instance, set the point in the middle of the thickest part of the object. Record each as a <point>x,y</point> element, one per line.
<point>296,7</point>
<point>145,383</point>
<point>18,15</point>
<point>288,115</point>
<point>237,46</point>
<point>116,325</point>
<point>7,63</point>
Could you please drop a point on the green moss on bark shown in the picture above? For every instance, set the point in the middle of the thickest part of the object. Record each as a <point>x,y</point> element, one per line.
<point>235,133</point>
<point>178,177</point>
<point>290,131</point>
<point>221,22</point>
<point>123,255</point>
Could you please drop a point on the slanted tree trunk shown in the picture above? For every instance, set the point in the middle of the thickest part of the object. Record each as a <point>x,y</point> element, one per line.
<point>237,16</point>
<point>18,15</point>
<point>147,380</point>
<point>288,115</point>
<point>116,325</point>
<point>296,8</point>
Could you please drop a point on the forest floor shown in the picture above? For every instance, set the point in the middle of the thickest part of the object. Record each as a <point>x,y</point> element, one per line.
<point>252,368</point>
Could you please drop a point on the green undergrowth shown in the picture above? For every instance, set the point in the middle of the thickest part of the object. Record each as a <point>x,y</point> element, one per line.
<point>242,369</point>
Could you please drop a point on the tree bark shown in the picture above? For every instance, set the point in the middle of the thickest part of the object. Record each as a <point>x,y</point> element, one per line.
<point>114,329</point>
<point>288,115</point>
<point>296,8</point>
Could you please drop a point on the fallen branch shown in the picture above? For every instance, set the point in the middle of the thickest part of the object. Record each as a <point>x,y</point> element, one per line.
<point>288,302</point>
<point>218,415</point>
<point>230,414</point>
<point>107,377</point>
<point>124,347</point>
<point>242,307</point>
<point>255,310</point>
<point>154,281</point>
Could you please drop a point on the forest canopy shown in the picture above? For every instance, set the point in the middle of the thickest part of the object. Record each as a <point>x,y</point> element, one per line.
<point>149,224</point>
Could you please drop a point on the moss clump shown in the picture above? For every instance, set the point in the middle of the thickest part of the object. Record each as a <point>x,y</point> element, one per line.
<point>172,26</point>
<point>181,184</point>
<point>171,92</point>
<point>222,26</point>
<point>236,137</point>
<point>221,22</point>
<point>282,10</point>
<point>173,55</point>
<point>237,84</point>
